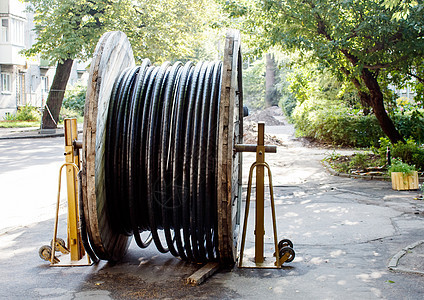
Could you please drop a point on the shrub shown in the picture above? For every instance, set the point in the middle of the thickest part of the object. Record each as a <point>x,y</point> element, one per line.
<point>410,152</point>
<point>338,126</point>
<point>74,99</point>
<point>24,113</point>
<point>288,104</point>
<point>343,126</point>
<point>66,113</point>
<point>410,125</point>
<point>359,161</point>
<point>28,113</point>
<point>9,117</point>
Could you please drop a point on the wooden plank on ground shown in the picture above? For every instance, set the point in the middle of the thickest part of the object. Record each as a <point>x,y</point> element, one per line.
<point>204,273</point>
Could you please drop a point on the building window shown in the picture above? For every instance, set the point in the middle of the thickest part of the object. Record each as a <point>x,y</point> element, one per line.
<point>17,31</point>
<point>4,30</point>
<point>21,89</point>
<point>45,84</point>
<point>5,83</point>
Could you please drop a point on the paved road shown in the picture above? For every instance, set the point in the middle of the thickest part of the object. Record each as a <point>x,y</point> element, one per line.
<point>345,232</point>
<point>28,180</point>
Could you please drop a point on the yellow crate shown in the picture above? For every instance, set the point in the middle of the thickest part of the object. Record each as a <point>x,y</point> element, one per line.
<point>404,182</point>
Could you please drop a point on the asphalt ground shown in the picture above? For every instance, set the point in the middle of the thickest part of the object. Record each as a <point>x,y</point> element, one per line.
<point>354,239</point>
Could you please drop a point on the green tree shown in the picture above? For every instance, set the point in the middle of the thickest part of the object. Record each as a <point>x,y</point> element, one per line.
<point>402,7</point>
<point>359,41</point>
<point>173,29</point>
<point>69,29</point>
<point>254,84</point>
<point>271,94</point>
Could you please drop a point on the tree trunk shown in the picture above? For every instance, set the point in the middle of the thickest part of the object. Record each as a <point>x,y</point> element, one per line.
<point>56,94</point>
<point>365,102</point>
<point>269,80</point>
<point>376,102</point>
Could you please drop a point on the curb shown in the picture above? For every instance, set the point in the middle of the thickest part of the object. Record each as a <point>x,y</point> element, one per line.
<point>330,170</point>
<point>39,136</point>
<point>34,136</point>
<point>328,167</point>
<point>393,264</point>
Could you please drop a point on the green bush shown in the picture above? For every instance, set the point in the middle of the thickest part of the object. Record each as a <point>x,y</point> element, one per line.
<point>348,127</point>
<point>338,126</point>
<point>287,104</point>
<point>9,117</point>
<point>74,100</point>
<point>410,125</point>
<point>359,161</point>
<point>410,152</point>
<point>66,113</point>
<point>24,113</point>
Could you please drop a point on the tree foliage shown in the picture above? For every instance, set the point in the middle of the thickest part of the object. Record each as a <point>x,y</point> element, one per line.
<point>402,6</point>
<point>173,29</point>
<point>157,29</point>
<point>69,29</point>
<point>254,84</point>
<point>358,41</point>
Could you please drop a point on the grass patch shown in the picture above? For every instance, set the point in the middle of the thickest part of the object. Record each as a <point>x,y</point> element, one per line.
<point>19,124</point>
<point>358,163</point>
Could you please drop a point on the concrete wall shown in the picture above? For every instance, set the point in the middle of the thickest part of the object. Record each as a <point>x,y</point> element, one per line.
<point>14,7</point>
<point>8,99</point>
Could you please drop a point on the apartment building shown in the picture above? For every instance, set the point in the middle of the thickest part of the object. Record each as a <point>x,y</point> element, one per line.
<point>24,81</point>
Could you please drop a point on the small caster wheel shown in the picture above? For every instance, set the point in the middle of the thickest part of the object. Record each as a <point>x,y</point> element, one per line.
<point>45,252</point>
<point>288,250</point>
<point>285,243</point>
<point>59,241</point>
<point>60,246</point>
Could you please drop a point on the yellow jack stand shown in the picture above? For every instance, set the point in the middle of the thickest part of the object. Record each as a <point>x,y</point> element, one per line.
<point>74,254</point>
<point>284,249</point>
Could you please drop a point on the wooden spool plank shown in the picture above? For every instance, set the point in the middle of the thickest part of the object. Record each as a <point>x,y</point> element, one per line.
<point>229,168</point>
<point>112,55</point>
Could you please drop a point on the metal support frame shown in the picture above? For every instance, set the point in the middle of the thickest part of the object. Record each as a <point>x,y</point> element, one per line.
<point>73,255</point>
<point>259,260</point>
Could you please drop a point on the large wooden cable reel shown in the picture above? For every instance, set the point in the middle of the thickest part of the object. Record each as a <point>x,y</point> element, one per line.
<point>197,172</point>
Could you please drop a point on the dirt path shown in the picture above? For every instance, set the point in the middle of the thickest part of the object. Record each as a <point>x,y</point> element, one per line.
<point>294,162</point>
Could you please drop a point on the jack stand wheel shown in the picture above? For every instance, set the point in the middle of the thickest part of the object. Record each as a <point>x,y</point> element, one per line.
<point>60,246</point>
<point>287,254</point>
<point>45,252</point>
<point>285,243</point>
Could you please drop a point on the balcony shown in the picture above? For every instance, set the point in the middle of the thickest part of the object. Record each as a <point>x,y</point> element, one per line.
<point>9,54</point>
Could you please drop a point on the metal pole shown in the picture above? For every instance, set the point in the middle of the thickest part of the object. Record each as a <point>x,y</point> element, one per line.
<point>259,226</point>
<point>74,239</point>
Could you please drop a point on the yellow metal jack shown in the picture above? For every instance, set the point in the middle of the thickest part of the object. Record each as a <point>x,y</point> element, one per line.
<point>73,255</point>
<point>284,249</point>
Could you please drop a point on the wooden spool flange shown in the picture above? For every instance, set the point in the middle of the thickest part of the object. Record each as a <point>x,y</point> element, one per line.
<point>229,161</point>
<point>113,54</point>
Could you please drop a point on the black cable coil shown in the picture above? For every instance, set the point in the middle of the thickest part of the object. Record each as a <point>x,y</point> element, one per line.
<point>161,157</point>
